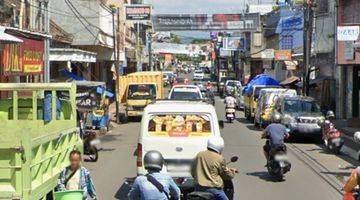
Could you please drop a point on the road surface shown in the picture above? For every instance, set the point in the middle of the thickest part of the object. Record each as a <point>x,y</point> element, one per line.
<point>315,174</point>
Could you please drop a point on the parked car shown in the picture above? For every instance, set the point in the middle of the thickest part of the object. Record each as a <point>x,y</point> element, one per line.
<point>185,92</point>
<point>266,102</point>
<point>301,115</point>
<point>208,95</point>
<point>239,98</point>
<point>178,130</point>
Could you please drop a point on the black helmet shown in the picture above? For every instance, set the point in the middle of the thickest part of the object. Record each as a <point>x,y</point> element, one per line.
<point>153,160</point>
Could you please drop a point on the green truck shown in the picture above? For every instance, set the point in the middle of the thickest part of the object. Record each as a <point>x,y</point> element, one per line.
<point>38,130</point>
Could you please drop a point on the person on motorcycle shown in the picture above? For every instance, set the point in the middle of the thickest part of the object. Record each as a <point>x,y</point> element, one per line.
<point>229,100</point>
<point>209,169</point>
<point>275,134</point>
<point>328,122</point>
<point>154,185</point>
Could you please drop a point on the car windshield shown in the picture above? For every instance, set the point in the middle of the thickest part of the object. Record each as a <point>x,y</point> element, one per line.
<point>143,91</point>
<point>185,95</point>
<point>301,106</point>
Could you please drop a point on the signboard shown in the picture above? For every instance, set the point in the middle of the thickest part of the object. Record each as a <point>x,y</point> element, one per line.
<point>222,22</point>
<point>268,54</point>
<point>138,12</point>
<point>225,53</point>
<point>234,43</point>
<point>24,58</point>
<point>282,55</point>
<point>348,33</point>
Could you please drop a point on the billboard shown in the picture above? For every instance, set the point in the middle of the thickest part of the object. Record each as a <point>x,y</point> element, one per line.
<point>206,22</point>
<point>234,43</point>
<point>138,12</point>
<point>283,55</point>
<point>24,58</point>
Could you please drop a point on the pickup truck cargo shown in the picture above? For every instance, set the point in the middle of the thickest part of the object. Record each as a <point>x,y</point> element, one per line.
<point>36,137</point>
<point>139,89</point>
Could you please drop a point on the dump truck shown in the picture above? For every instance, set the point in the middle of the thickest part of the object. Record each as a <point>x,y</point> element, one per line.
<point>38,131</point>
<point>139,89</point>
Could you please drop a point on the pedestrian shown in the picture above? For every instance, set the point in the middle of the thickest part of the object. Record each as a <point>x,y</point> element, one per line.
<point>154,185</point>
<point>76,177</point>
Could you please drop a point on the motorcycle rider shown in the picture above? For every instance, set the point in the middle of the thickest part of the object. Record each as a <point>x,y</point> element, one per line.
<point>154,185</point>
<point>209,169</point>
<point>352,182</point>
<point>275,134</point>
<point>229,100</point>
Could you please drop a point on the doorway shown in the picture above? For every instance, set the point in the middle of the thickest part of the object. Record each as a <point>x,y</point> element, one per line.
<point>356,92</point>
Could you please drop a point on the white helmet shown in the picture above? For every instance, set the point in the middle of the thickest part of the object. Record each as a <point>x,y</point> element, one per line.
<point>216,144</point>
<point>357,136</point>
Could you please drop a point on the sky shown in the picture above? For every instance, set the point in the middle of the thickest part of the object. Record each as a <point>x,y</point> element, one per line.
<point>199,7</point>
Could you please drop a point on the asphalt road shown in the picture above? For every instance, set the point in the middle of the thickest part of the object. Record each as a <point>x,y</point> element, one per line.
<point>315,174</point>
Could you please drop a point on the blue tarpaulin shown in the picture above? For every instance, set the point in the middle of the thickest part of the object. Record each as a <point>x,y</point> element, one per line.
<point>261,79</point>
<point>75,77</point>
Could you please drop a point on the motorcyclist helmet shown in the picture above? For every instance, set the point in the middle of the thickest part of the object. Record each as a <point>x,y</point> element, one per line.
<point>330,114</point>
<point>357,136</point>
<point>216,144</point>
<point>153,160</point>
<point>276,118</point>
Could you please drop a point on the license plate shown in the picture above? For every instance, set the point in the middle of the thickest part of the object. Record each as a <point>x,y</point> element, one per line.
<point>336,140</point>
<point>230,110</point>
<point>178,168</point>
<point>95,142</point>
<point>229,115</point>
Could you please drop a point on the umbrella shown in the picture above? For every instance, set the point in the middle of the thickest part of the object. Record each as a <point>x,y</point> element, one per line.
<point>261,79</point>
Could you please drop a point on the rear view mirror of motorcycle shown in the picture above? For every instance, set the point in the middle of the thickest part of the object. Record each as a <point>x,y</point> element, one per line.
<point>221,124</point>
<point>234,159</point>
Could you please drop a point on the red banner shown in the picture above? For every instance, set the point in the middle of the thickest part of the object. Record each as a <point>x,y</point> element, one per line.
<point>24,58</point>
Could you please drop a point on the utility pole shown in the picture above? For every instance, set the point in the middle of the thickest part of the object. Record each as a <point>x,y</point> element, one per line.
<point>150,51</point>
<point>116,57</point>
<point>308,30</point>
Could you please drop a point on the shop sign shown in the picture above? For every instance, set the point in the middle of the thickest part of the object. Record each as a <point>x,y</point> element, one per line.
<point>138,12</point>
<point>24,58</point>
<point>282,55</point>
<point>348,33</point>
<point>268,54</point>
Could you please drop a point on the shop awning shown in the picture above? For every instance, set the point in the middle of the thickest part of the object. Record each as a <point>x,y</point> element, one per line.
<point>71,54</point>
<point>7,38</point>
<point>290,80</point>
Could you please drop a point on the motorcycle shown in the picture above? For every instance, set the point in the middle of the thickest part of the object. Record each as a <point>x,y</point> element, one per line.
<point>230,114</point>
<point>332,137</point>
<point>228,189</point>
<point>278,164</point>
<point>90,141</point>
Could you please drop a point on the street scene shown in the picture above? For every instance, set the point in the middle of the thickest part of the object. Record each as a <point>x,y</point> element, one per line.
<point>190,100</point>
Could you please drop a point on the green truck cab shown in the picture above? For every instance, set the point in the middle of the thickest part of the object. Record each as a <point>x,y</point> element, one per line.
<point>33,151</point>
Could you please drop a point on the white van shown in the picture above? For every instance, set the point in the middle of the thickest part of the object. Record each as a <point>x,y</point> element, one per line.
<point>178,130</point>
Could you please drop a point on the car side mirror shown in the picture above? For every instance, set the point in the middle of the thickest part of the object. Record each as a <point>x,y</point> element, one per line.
<point>234,159</point>
<point>221,124</point>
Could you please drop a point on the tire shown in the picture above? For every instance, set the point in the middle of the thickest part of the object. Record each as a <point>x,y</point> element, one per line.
<point>93,154</point>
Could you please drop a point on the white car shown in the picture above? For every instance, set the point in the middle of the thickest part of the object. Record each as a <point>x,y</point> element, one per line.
<point>199,75</point>
<point>178,130</point>
<point>185,92</point>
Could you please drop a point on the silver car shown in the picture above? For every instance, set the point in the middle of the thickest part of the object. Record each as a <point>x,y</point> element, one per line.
<point>300,114</point>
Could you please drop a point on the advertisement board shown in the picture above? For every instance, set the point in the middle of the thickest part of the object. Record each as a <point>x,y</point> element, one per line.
<point>283,55</point>
<point>24,58</point>
<point>138,12</point>
<point>234,43</point>
<point>208,22</point>
<point>348,33</point>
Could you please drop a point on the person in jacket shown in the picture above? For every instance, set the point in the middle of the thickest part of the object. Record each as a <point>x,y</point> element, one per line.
<point>154,185</point>
<point>76,177</point>
<point>209,169</point>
